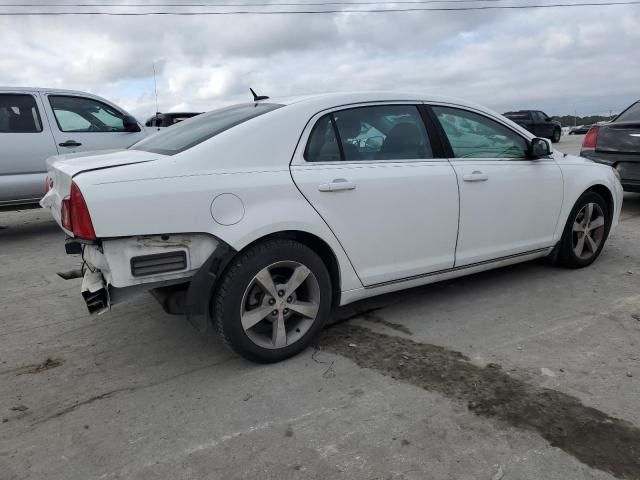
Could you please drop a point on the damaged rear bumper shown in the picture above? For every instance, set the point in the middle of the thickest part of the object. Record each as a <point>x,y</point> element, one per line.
<point>118,269</point>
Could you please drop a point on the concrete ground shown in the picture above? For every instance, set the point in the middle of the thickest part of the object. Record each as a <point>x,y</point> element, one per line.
<point>528,372</point>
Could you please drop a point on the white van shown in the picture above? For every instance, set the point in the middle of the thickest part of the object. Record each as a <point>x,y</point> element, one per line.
<point>36,123</point>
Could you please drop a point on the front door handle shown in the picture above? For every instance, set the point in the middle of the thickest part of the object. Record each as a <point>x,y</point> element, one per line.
<point>70,143</point>
<point>475,176</point>
<point>337,185</point>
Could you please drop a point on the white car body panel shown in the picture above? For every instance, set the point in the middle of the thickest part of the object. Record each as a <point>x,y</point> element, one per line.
<point>393,203</point>
<point>515,210</point>
<point>397,229</point>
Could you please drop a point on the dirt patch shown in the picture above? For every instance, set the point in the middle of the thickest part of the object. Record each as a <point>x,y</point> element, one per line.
<point>48,364</point>
<point>373,318</point>
<point>369,315</point>
<point>594,438</point>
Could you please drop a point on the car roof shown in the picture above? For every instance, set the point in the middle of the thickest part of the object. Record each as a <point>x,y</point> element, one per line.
<point>48,90</point>
<point>175,114</point>
<point>331,99</point>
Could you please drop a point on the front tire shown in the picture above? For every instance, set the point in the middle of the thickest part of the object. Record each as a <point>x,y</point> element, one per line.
<point>272,300</point>
<point>557,133</point>
<point>586,231</point>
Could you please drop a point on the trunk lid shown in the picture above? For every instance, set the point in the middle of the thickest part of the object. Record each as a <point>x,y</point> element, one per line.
<point>619,137</point>
<point>62,168</point>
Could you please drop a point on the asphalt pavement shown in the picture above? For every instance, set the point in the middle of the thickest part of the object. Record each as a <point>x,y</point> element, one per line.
<point>527,372</point>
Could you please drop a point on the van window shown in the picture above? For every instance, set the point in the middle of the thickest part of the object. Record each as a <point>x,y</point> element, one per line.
<point>19,114</point>
<point>79,114</point>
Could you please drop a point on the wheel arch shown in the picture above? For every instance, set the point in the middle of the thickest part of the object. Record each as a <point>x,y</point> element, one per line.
<point>205,283</point>
<point>605,193</point>
<point>320,247</point>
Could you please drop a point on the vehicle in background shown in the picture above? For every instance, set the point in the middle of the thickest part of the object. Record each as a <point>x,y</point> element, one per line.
<point>538,123</point>
<point>36,123</point>
<point>579,130</point>
<point>163,120</point>
<point>617,143</point>
<point>257,219</point>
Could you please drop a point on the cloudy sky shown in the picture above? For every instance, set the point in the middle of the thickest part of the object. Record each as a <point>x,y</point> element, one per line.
<point>562,60</point>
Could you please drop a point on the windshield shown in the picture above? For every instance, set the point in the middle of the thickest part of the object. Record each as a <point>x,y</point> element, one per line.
<point>631,114</point>
<point>191,132</point>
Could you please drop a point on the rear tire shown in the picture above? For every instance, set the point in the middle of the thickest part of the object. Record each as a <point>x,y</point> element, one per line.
<point>272,300</point>
<point>586,231</point>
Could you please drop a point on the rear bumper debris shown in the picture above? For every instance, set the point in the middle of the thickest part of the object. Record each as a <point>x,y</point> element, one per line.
<point>95,292</point>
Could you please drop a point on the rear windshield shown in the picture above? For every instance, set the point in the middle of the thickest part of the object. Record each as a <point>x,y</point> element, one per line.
<point>193,131</point>
<point>631,114</point>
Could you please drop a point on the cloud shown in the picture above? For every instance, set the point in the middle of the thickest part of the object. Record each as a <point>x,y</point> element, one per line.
<point>559,60</point>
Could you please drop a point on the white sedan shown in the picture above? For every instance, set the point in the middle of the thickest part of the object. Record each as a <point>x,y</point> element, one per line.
<point>259,218</point>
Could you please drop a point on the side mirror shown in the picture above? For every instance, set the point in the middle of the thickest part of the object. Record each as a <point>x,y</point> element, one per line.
<point>540,147</point>
<point>130,124</point>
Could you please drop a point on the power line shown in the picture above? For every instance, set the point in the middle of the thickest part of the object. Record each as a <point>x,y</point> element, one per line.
<point>223,5</point>
<point>329,11</point>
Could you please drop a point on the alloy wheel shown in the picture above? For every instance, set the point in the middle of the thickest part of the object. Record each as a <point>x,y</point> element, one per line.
<point>280,304</point>
<point>588,231</point>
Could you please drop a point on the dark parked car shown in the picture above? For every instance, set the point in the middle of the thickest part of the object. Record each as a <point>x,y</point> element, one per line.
<point>538,123</point>
<point>163,120</point>
<point>617,143</point>
<point>579,130</point>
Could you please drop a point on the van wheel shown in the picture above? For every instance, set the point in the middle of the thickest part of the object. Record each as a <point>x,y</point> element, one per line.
<point>585,232</point>
<point>557,133</point>
<point>272,301</point>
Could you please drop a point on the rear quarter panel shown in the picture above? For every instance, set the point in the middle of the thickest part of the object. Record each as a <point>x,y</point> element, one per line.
<point>163,202</point>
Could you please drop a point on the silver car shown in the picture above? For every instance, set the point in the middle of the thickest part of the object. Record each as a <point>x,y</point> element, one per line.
<point>36,123</point>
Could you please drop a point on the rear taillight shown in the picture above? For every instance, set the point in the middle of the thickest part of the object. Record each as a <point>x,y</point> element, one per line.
<point>75,215</point>
<point>590,139</point>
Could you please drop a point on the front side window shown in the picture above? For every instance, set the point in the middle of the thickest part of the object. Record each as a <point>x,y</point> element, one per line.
<point>78,114</point>
<point>475,136</point>
<point>631,114</point>
<point>195,130</point>
<point>542,117</point>
<point>19,114</point>
<point>386,132</point>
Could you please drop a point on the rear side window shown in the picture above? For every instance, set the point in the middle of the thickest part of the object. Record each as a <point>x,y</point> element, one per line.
<point>385,132</point>
<point>195,130</point>
<point>631,114</point>
<point>515,116</point>
<point>475,136</point>
<point>19,114</point>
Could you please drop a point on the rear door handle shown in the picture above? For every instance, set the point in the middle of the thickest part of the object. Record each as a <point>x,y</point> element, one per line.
<point>337,185</point>
<point>475,176</point>
<point>70,143</point>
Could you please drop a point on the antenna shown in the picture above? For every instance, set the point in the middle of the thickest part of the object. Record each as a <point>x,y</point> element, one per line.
<point>155,85</point>
<point>257,97</point>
